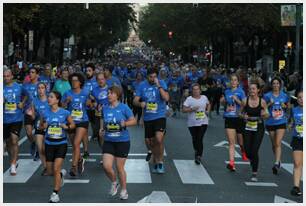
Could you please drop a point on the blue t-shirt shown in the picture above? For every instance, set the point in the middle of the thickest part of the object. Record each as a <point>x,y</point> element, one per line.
<point>155,105</point>
<point>40,108</point>
<point>231,107</point>
<point>31,91</point>
<point>90,84</point>
<point>113,81</point>
<point>276,111</point>
<point>100,95</point>
<point>49,82</point>
<point>112,122</point>
<point>178,82</point>
<point>55,135</point>
<point>77,105</point>
<point>297,115</point>
<point>12,97</point>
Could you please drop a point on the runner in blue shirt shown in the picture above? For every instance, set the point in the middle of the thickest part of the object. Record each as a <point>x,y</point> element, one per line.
<point>30,89</point>
<point>154,95</point>
<point>89,85</point>
<point>233,99</point>
<point>116,118</point>
<point>110,80</point>
<point>55,121</point>
<point>46,77</point>
<point>297,143</point>
<point>13,103</point>
<point>135,85</point>
<point>176,83</point>
<point>76,101</point>
<point>276,124</point>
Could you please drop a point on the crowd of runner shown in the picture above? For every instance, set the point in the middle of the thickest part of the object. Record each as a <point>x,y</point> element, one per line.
<point>56,106</point>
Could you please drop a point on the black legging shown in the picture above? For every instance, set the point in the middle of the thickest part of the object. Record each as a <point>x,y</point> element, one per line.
<point>138,111</point>
<point>197,134</point>
<point>251,143</point>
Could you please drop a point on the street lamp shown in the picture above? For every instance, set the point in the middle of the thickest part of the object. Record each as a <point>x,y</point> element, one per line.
<point>287,53</point>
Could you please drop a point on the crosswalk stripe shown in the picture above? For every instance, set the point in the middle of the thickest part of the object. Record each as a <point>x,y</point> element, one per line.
<point>138,171</point>
<point>87,160</point>
<point>286,144</point>
<point>22,140</point>
<point>261,184</point>
<point>239,163</point>
<point>190,173</point>
<point>26,168</point>
<point>289,167</point>
<point>75,181</point>
<point>91,154</point>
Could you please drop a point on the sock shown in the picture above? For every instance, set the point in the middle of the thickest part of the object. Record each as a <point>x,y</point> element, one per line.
<point>149,151</point>
<point>232,162</point>
<point>55,191</point>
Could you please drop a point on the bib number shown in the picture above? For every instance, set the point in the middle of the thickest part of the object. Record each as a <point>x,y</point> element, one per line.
<point>200,115</point>
<point>113,129</point>
<point>77,114</point>
<point>10,107</point>
<point>152,107</point>
<point>55,132</point>
<point>251,125</point>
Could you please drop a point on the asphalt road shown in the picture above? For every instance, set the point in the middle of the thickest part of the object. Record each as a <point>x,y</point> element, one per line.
<point>183,182</point>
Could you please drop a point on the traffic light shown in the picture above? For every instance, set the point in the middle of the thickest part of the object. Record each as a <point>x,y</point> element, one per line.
<point>170,34</point>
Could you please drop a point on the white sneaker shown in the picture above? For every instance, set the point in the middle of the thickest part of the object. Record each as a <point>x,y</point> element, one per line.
<point>63,173</point>
<point>13,170</point>
<point>114,189</point>
<point>124,195</point>
<point>54,198</point>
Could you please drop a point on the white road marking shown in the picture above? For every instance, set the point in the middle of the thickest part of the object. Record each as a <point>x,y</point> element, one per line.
<point>190,173</point>
<point>138,171</point>
<point>239,162</point>
<point>91,154</point>
<point>22,140</point>
<point>289,167</point>
<point>224,143</point>
<point>279,199</point>
<point>87,160</point>
<point>75,181</point>
<point>26,168</point>
<point>156,197</point>
<point>286,144</point>
<point>261,184</point>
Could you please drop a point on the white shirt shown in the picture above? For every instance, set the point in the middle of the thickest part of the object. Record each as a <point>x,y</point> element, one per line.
<point>199,117</point>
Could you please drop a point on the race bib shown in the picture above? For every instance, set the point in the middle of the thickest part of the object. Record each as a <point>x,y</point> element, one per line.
<point>299,130</point>
<point>200,115</point>
<point>277,114</point>
<point>203,88</point>
<point>10,107</point>
<point>251,125</point>
<point>113,129</point>
<point>55,132</point>
<point>152,107</point>
<point>77,114</point>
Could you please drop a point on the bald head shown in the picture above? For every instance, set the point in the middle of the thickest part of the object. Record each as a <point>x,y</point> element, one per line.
<point>8,76</point>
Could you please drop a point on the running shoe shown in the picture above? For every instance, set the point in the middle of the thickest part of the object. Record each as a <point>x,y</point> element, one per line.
<point>124,195</point>
<point>63,173</point>
<point>44,172</point>
<point>275,168</point>
<point>296,191</point>
<point>231,167</point>
<point>160,168</point>
<point>148,157</point>
<point>13,170</point>
<point>197,160</point>
<point>73,171</point>
<point>36,156</point>
<point>81,166</point>
<point>54,198</point>
<point>155,168</point>
<point>86,155</point>
<point>244,157</point>
<point>254,178</point>
<point>32,148</point>
<point>114,189</point>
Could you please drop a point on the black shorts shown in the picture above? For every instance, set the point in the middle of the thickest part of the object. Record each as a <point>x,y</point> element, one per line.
<point>91,115</point>
<point>9,128</point>
<point>234,123</point>
<point>297,144</point>
<point>81,124</point>
<point>117,149</point>
<point>55,151</point>
<point>28,120</point>
<point>276,127</point>
<point>40,132</point>
<point>153,126</point>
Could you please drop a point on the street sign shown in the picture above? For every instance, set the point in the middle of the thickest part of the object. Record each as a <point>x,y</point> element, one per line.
<point>31,40</point>
<point>281,64</point>
<point>11,49</point>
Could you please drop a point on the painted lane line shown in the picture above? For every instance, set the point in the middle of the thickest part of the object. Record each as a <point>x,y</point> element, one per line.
<point>289,168</point>
<point>279,199</point>
<point>87,160</point>
<point>224,143</point>
<point>190,173</point>
<point>70,154</point>
<point>286,144</point>
<point>26,168</point>
<point>156,197</point>
<point>239,163</point>
<point>138,171</point>
<point>75,181</point>
<point>261,184</point>
<point>22,140</point>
